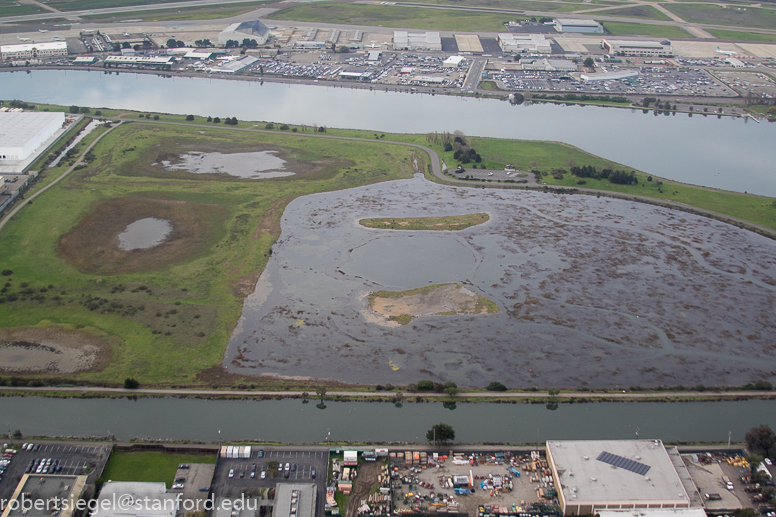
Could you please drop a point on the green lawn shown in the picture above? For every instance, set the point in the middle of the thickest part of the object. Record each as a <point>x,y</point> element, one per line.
<point>643,29</point>
<point>394,16</point>
<point>743,16</point>
<point>638,11</point>
<point>78,5</point>
<point>742,36</point>
<point>529,5</point>
<point>149,466</point>
<point>14,8</point>
<point>177,14</point>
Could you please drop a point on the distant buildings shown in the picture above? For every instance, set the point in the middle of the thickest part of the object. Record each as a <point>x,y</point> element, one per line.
<point>404,40</point>
<point>514,42</point>
<point>638,48</point>
<point>139,499</point>
<point>254,30</point>
<point>33,50</point>
<point>578,25</point>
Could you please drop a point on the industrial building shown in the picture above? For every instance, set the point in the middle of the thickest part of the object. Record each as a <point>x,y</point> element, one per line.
<point>139,500</point>
<point>404,40</point>
<point>234,66</point>
<point>295,500</point>
<point>44,495</point>
<point>239,31</point>
<point>578,25</point>
<point>513,42</point>
<point>655,512</point>
<point>550,65</point>
<point>33,50</point>
<point>638,48</point>
<point>594,475</point>
<point>24,132</point>
<point>609,76</point>
<point>139,61</point>
<point>453,62</point>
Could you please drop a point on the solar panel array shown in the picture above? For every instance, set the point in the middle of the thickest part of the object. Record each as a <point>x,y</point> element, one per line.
<point>623,463</point>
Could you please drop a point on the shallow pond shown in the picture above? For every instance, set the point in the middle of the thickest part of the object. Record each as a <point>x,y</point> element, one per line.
<point>144,233</point>
<point>592,292</point>
<point>255,165</point>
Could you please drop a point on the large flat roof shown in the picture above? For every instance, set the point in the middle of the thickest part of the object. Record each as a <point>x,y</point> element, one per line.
<point>19,127</point>
<point>645,472</point>
<point>45,492</point>
<point>299,496</point>
<point>26,47</point>
<point>653,512</point>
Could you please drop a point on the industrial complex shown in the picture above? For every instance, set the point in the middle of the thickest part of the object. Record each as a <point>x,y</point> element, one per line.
<point>606,478</point>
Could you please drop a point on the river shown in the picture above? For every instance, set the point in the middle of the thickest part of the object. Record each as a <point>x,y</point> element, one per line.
<point>291,421</point>
<point>727,153</point>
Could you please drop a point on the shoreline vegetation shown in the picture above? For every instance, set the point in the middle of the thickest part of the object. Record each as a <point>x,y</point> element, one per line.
<point>446,223</point>
<point>120,167</point>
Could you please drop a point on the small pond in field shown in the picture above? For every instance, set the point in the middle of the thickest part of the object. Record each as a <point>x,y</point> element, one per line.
<point>255,165</point>
<point>144,233</point>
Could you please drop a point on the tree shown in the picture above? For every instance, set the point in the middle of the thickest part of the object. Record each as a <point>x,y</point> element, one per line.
<point>17,434</point>
<point>85,110</point>
<point>217,120</point>
<point>232,43</point>
<point>189,117</point>
<point>130,383</point>
<point>425,385</point>
<point>553,392</point>
<point>754,461</point>
<point>760,438</point>
<point>249,43</point>
<point>321,391</point>
<point>171,43</point>
<point>440,433</point>
<point>74,109</point>
<point>589,62</point>
<point>496,386</point>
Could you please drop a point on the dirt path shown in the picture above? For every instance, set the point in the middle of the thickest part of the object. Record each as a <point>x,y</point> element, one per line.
<point>367,477</point>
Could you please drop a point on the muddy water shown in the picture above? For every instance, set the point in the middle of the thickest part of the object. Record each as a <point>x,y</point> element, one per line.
<point>593,292</point>
<point>256,165</point>
<point>144,233</point>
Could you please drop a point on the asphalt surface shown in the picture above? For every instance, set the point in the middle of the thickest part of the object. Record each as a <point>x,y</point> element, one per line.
<point>74,458</point>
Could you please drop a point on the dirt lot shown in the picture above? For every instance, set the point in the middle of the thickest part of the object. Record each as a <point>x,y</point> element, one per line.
<point>51,350</point>
<point>523,494</point>
<point>92,246</point>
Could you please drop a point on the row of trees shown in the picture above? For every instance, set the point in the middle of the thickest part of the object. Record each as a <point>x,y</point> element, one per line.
<point>246,43</point>
<point>619,177</point>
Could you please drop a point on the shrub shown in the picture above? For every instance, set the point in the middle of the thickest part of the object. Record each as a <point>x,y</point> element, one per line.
<point>130,383</point>
<point>270,126</point>
<point>7,272</point>
<point>189,117</point>
<point>284,127</point>
<point>425,385</point>
<point>496,386</point>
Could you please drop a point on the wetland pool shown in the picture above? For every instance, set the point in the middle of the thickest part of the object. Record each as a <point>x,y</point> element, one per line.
<point>144,233</point>
<point>592,292</point>
<point>254,165</point>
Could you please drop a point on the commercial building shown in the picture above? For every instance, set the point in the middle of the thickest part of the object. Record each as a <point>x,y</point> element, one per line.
<point>404,40</point>
<point>453,62</point>
<point>638,48</point>
<point>295,500</point>
<point>24,132</point>
<point>85,60</point>
<point>594,475</point>
<point>655,512</point>
<point>45,495</point>
<point>578,25</point>
<point>239,31</point>
<point>550,65</point>
<point>138,499</point>
<point>513,42</point>
<point>33,50</point>
<point>232,67</point>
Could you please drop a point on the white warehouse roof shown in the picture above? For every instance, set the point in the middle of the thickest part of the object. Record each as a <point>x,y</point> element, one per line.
<point>614,472</point>
<point>653,512</point>
<point>19,128</point>
<point>27,47</point>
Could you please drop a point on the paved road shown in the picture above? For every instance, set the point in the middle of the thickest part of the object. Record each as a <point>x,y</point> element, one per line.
<point>472,80</point>
<point>628,395</point>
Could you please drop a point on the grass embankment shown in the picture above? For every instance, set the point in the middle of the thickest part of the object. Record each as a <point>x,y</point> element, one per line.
<point>644,29</point>
<point>149,466</point>
<point>172,307</point>
<point>394,16</point>
<point>447,223</point>
<point>728,14</point>
<point>175,13</point>
<point>741,35</point>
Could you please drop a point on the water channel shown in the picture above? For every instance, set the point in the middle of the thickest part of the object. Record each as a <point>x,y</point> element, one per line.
<point>291,421</point>
<point>727,153</point>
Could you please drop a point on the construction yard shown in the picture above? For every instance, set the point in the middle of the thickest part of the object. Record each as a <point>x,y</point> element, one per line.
<point>479,483</point>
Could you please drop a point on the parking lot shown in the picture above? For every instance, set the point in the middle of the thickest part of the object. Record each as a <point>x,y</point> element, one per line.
<point>746,83</point>
<point>518,177</point>
<point>70,460</point>
<point>652,81</point>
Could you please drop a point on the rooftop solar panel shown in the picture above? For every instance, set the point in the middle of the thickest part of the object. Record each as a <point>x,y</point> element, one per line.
<point>623,463</point>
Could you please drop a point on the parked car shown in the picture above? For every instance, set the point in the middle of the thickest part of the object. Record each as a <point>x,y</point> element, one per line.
<point>288,467</point>
<point>261,453</point>
<point>231,473</point>
<point>263,474</point>
<point>312,474</point>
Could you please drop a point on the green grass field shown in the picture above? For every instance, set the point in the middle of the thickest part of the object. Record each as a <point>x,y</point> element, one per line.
<point>149,466</point>
<point>179,323</point>
<point>78,5</point>
<point>742,36</point>
<point>743,16</point>
<point>529,5</point>
<point>390,16</point>
<point>177,14</point>
<point>639,11</point>
<point>643,29</point>
<point>14,8</point>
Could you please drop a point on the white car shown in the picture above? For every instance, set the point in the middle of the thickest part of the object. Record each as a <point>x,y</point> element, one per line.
<point>768,462</point>
<point>177,486</point>
<point>263,474</point>
<point>730,485</point>
<point>231,473</point>
<point>288,467</point>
